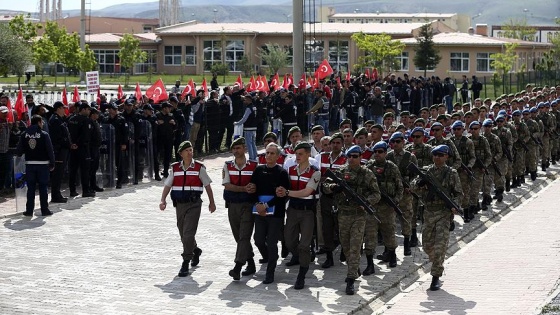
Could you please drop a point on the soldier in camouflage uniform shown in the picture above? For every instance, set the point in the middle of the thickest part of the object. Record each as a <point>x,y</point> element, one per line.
<point>504,135</point>
<point>532,130</point>
<point>544,116</point>
<point>483,158</point>
<point>513,131</point>
<point>454,159</point>
<point>351,216</point>
<point>556,137</point>
<point>422,152</point>
<point>465,147</point>
<point>389,181</point>
<point>402,159</point>
<point>519,148</point>
<point>538,137</point>
<point>489,179</point>
<point>435,235</point>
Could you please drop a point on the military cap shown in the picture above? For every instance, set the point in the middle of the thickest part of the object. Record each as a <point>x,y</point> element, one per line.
<point>165,104</point>
<point>84,105</point>
<point>184,145</point>
<point>487,100</point>
<point>336,135</point>
<point>526,111</point>
<point>345,122</point>
<point>354,149</point>
<point>546,104</point>
<point>417,129</point>
<point>377,126</point>
<point>437,124</point>
<point>292,130</point>
<point>302,145</point>
<point>456,114</point>
<point>360,132</point>
<point>442,148</point>
<point>487,122</point>
<point>495,105</point>
<point>148,107</point>
<point>172,99</point>
<point>370,122</point>
<point>458,124</point>
<point>93,104</point>
<point>433,107</point>
<point>270,135</point>
<point>57,105</point>
<point>389,114</point>
<point>474,123</point>
<point>396,135</point>
<point>424,109</point>
<point>94,111</point>
<point>317,127</point>
<point>238,141</point>
<point>420,120</point>
<point>380,145</point>
<point>540,105</point>
<point>500,117</point>
<point>130,101</point>
<point>516,112</point>
<point>533,110</point>
<point>443,116</point>
<point>554,103</point>
<point>511,95</point>
<point>112,106</point>
<point>469,113</point>
<point>404,113</point>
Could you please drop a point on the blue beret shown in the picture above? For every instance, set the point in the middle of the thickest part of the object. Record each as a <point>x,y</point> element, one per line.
<point>533,110</point>
<point>554,102</point>
<point>502,112</point>
<point>354,149</point>
<point>417,129</point>
<point>500,117</point>
<point>437,124</point>
<point>442,148</point>
<point>396,135</point>
<point>487,122</point>
<point>546,104</point>
<point>474,123</point>
<point>381,145</point>
<point>516,112</point>
<point>525,111</point>
<point>458,124</point>
<point>540,105</point>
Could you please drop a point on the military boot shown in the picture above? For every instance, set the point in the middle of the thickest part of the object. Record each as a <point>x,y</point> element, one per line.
<point>500,195</point>
<point>329,262</point>
<point>436,284</point>
<point>507,185</point>
<point>543,166</point>
<point>294,261</point>
<point>370,269</point>
<point>196,257</point>
<point>184,269</point>
<point>413,239</point>
<point>270,269</point>
<point>514,183</point>
<point>385,256</point>
<point>521,180</point>
<point>251,269</point>
<point>466,215</point>
<point>392,258</point>
<point>554,160</point>
<point>350,286</point>
<point>235,273</point>
<point>472,212</point>
<point>342,257</point>
<point>484,204</point>
<point>300,281</point>
<point>407,251</point>
<point>533,176</point>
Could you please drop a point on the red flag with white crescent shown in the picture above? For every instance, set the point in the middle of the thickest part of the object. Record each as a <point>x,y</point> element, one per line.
<point>348,76</point>
<point>64,96</point>
<point>258,83</point>
<point>239,81</point>
<point>76,96</point>
<point>324,70</point>
<point>374,74</point>
<point>252,85</point>
<point>338,85</point>
<point>285,83</point>
<point>310,83</point>
<point>157,92</point>
<point>205,87</point>
<point>189,90</point>
<point>138,93</point>
<point>275,83</point>
<point>264,85</point>
<point>290,80</point>
<point>302,82</point>
<point>120,93</point>
<point>10,117</point>
<point>20,104</point>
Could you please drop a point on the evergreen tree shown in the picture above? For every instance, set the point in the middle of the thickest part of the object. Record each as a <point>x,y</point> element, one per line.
<point>427,55</point>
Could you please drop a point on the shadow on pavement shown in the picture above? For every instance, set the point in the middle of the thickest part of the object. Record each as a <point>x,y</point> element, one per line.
<point>452,302</point>
<point>24,223</point>
<point>179,288</point>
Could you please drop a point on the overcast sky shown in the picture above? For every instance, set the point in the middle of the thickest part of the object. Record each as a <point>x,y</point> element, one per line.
<point>33,5</point>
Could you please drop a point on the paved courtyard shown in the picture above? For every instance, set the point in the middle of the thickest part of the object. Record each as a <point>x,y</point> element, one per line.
<point>117,253</point>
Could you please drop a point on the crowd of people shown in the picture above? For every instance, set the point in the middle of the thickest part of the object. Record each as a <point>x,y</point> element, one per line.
<point>368,133</point>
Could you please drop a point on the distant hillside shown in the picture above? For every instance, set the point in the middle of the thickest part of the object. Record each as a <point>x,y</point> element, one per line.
<point>491,12</point>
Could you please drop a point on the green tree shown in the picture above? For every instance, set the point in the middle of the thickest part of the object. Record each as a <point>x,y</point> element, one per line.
<point>24,30</point>
<point>274,56</point>
<point>130,54</point>
<point>87,60</point>
<point>503,62</point>
<point>426,54</point>
<point>518,29</point>
<point>379,51</point>
<point>555,41</point>
<point>69,53</point>
<point>245,65</point>
<point>15,54</point>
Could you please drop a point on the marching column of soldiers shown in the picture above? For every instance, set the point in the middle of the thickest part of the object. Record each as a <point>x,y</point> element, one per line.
<point>402,159</point>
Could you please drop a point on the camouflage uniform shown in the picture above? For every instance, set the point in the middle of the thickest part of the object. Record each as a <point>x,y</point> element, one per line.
<point>493,177</point>
<point>351,217</point>
<point>556,138</point>
<point>520,156</point>
<point>402,160</point>
<point>484,155</point>
<point>465,147</point>
<point>531,155</point>
<point>389,180</point>
<point>423,154</point>
<point>453,160</point>
<point>435,234</point>
<point>513,131</point>
<point>546,120</point>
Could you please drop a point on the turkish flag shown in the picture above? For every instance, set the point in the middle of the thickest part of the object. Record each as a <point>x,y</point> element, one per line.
<point>264,85</point>
<point>338,85</point>
<point>76,96</point>
<point>285,82</point>
<point>324,70</point>
<point>252,85</point>
<point>138,93</point>
<point>302,83</point>
<point>374,74</point>
<point>311,83</point>
<point>157,92</point>
<point>205,87</point>
<point>21,107</point>
<point>275,83</point>
<point>11,112</point>
<point>98,100</point>
<point>348,76</point>
<point>239,81</point>
<point>367,73</point>
<point>120,93</point>
<point>64,96</point>
<point>189,90</point>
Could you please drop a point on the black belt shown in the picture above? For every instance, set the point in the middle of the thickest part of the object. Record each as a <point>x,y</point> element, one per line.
<point>304,207</point>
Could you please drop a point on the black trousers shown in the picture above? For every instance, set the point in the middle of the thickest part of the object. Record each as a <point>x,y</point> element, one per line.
<point>79,160</point>
<point>268,231</point>
<point>58,173</point>
<point>165,147</point>
<point>93,168</point>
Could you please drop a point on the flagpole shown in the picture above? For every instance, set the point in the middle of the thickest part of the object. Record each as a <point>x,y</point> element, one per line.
<point>297,44</point>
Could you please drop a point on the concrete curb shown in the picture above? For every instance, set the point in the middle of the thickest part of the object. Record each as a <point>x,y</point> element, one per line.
<point>415,273</point>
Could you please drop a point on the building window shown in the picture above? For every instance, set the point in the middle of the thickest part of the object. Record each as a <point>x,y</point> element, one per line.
<point>212,53</point>
<point>484,62</point>
<point>338,55</point>
<point>403,61</point>
<point>459,62</point>
<point>107,60</point>
<point>150,65</point>
<point>234,51</point>
<point>172,55</point>
<point>148,29</point>
<point>190,55</point>
<point>314,54</point>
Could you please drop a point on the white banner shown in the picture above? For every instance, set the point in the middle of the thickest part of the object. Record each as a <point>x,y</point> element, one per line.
<point>92,81</point>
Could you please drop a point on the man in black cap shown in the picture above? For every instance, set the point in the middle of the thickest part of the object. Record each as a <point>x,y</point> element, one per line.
<point>149,117</point>
<point>95,146</point>
<point>80,127</point>
<point>60,137</point>
<point>39,159</point>
<point>132,118</point>
<point>185,191</point>
<point>121,141</point>
<point>181,123</point>
<point>236,179</point>
<point>300,222</point>
<point>166,126</point>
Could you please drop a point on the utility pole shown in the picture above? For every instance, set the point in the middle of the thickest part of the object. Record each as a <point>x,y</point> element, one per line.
<point>297,44</point>
<point>83,34</point>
